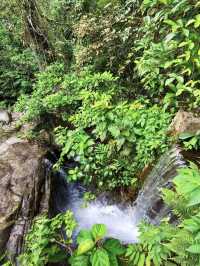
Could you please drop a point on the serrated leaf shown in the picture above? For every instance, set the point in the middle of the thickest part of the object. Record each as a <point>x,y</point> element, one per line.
<point>100,258</point>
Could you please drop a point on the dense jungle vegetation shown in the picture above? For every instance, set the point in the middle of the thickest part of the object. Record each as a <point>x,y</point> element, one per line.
<point>106,78</point>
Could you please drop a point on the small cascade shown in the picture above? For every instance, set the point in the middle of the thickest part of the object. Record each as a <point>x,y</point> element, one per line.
<point>121,221</point>
<point>69,196</point>
<point>149,204</point>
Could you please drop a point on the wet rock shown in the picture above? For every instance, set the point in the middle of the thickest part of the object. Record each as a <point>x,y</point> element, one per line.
<point>149,203</point>
<point>24,188</point>
<point>5,117</point>
<point>184,122</point>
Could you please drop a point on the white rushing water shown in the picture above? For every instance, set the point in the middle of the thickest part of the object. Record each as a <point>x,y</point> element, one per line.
<point>121,221</point>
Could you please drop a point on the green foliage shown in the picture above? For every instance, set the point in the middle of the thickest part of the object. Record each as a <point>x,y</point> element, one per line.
<point>124,64</point>
<point>169,51</point>
<point>4,261</point>
<point>187,184</point>
<point>45,243</point>
<point>47,82</point>
<point>49,241</point>
<point>169,244</point>
<point>17,67</point>
<point>122,139</point>
<point>87,198</point>
<point>105,38</point>
<point>112,140</point>
<point>191,141</point>
<point>93,250</point>
<point>151,250</point>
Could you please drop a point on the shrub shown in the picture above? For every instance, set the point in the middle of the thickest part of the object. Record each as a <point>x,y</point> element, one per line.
<point>169,51</point>
<point>45,243</point>
<point>93,250</point>
<point>113,139</point>
<point>18,67</point>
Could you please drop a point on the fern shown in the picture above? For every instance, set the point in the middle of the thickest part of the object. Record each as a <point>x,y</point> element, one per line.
<point>180,243</point>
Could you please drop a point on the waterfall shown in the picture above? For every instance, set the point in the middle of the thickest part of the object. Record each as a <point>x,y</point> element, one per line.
<point>121,221</point>
<point>69,196</point>
<point>149,204</point>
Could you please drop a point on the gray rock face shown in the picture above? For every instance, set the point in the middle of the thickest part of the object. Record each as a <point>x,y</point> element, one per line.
<point>5,117</point>
<point>185,122</point>
<point>24,189</point>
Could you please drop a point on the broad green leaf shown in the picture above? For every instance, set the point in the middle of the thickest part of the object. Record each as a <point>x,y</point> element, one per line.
<point>57,256</point>
<point>186,135</point>
<point>168,263</point>
<point>85,246</point>
<point>191,226</point>
<point>190,21</point>
<point>136,258</point>
<point>169,81</point>
<point>99,231</point>
<point>100,258</point>
<point>141,261</point>
<point>79,261</point>
<point>197,21</point>
<point>169,37</point>
<point>113,260</point>
<point>165,2</point>
<point>148,261</point>
<point>114,246</point>
<point>194,249</point>
<point>194,197</point>
<point>115,132</point>
<point>84,235</point>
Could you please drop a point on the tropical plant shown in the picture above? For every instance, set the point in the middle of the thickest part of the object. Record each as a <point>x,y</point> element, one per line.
<point>93,250</point>
<point>87,198</point>
<point>48,240</point>
<point>169,51</point>
<point>191,141</point>
<point>173,244</point>
<point>114,134</point>
<point>123,137</point>
<point>18,66</point>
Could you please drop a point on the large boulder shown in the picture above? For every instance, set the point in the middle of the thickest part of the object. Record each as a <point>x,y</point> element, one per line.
<point>5,117</point>
<point>24,188</point>
<point>184,122</point>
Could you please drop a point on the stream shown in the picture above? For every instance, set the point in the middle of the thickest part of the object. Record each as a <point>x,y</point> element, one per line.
<point>121,221</point>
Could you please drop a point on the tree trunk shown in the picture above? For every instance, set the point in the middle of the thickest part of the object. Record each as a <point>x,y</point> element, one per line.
<point>35,33</point>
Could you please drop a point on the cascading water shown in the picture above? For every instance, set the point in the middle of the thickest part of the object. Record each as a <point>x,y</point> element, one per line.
<point>121,221</point>
<point>149,204</point>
